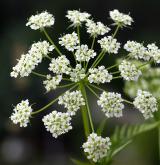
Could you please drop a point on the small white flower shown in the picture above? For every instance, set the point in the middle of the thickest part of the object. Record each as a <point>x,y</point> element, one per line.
<point>60,65</point>
<point>84,54</point>
<point>129,71</point>
<point>111,104</point>
<point>41,20</point>
<point>57,123</point>
<point>22,113</point>
<point>76,17</point>
<point>69,41</point>
<point>137,50</point>
<point>96,29</point>
<point>109,44</point>
<point>99,75</point>
<point>120,18</point>
<point>145,103</point>
<point>96,147</point>
<point>29,61</point>
<point>72,101</point>
<point>154,52</point>
<point>52,82</point>
<point>78,73</point>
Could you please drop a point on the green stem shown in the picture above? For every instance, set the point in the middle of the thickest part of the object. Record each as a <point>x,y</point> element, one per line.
<point>52,102</point>
<point>129,102</point>
<point>96,87</point>
<point>93,41</point>
<point>92,91</point>
<point>95,62</point>
<point>141,66</point>
<point>78,32</point>
<point>64,86</point>
<point>74,57</point>
<point>86,66</point>
<point>117,77</point>
<point>51,41</point>
<point>39,74</point>
<point>88,109</point>
<point>86,116</point>
<point>115,72</point>
<point>66,79</point>
<point>117,28</point>
<point>115,65</point>
<point>99,60</point>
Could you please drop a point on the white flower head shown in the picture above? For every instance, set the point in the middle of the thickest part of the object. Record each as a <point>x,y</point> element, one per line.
<point>78,73</point>
<point>145,103</point>
<point>137,50</point>
<point>99,75</point>
<point>109,44</point>
<point>129,71</point>
<point>60,65</point>
<point>154,52</point>
<point>57,123</point>
<point>22,113</point>
<point>72,101</point>
<point>41,20</point>
<point>111,104</point>
<point>96,147</point>
<point>120,18</point>
<point>96,29</point>
<point>69,41</point>
<point>29,61</point>
<point>52,82</point>
<point>83,53</point>
<point>76,17</point>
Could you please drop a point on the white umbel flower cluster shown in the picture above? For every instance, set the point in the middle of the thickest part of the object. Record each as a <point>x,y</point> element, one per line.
<point>41,20</point>
<point>29,61</point>
<point>57,123</point>
<point>111,104</point>
<point>69,41</point>
<point>22,113</point>
<point>51,82</point>
<point>99,75</point>
<point>72,101</point>
<point>76,17</point>
<point>154,51</point>
<point>60,65</point>
<point>96,29</point>
<point>109,44</point>
<point>145,103</point>
<point>96,147</point>
<point>120,18</point>
<point>137,50</point>
<point>83,53</point>
<point>78,73</point>
<point>129,71</point>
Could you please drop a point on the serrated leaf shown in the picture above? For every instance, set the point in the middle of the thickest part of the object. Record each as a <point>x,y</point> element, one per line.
<point>124,135</point>
<point>129,132</point>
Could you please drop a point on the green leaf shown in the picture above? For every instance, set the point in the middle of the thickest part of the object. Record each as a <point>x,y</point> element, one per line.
<point>78,162</point>
<point>124,135</point>
<point>121,147</point>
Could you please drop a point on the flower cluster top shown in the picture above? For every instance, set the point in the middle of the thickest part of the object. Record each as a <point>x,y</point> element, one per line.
<point>85,71</point>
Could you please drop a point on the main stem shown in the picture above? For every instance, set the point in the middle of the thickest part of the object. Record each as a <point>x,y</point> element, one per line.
<point>86,116</point>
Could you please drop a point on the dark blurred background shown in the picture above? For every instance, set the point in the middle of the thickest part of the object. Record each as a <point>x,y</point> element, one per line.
<point>33,145</point>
